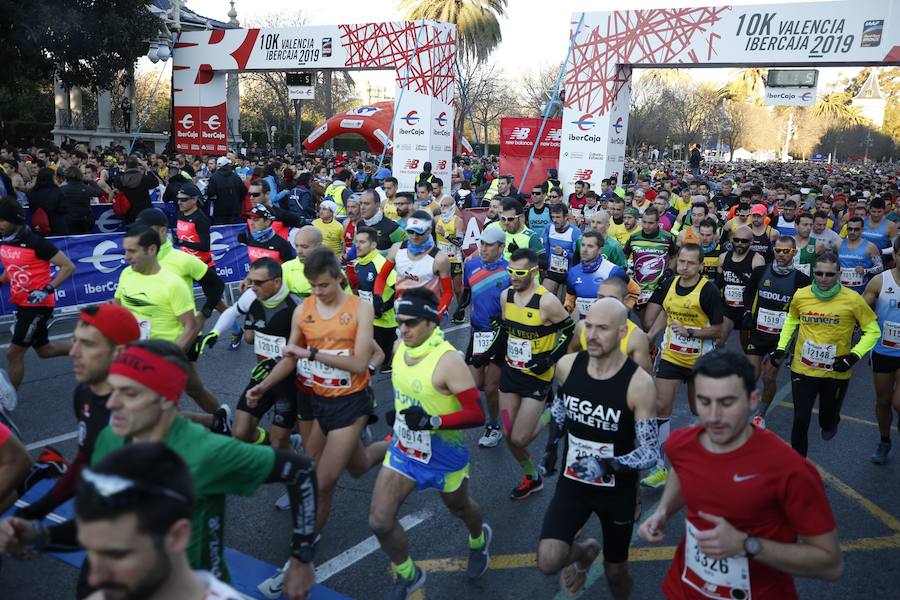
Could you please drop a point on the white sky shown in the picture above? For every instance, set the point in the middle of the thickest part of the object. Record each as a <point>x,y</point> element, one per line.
<point>531,38</point>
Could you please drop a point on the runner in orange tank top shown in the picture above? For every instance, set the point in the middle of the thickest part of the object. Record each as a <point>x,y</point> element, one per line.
<point>333,332</point>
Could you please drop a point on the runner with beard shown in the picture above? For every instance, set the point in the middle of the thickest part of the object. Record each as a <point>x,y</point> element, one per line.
<point>649,250</point>
<point>735,268</point>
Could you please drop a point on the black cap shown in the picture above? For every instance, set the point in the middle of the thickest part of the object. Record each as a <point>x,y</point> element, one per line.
<point>261,211</point>
<point>152,217</point>
<point>189,189</point>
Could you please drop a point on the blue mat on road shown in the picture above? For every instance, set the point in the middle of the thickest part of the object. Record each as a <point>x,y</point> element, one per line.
<point>246,571</point>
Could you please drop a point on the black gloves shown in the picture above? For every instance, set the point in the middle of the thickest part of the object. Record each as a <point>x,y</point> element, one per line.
<point>776,357</point>
<point>845,362</point>
<point>416,418</point>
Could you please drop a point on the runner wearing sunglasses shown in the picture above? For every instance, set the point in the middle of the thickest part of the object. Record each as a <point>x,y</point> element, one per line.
<point>735,268</point>
<point>824,316</point>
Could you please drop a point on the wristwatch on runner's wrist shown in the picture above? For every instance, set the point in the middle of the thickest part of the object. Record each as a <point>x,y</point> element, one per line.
<point>435,422</point>
<point>752,546</point>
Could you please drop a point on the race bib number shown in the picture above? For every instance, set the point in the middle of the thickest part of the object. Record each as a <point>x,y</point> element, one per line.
<point>770,321</point>
<point>579,450</point>
<point>330,377</point>
<point>144,326</point>
<point>366,296</point>
<point>818,356</point>
<point>644,296</point>
<point>518,352</point>
<point>682,344</point>
<point>584,305</point>
<point>413,444</point>
<point>890,334</point>
<point>447,248</point>
<point>559,263</point>
<point>734,295</point>
<point>481,341</point>
<point>723,578</point>
<point>268,346</point>
<point>850,278</point>
<point>304,373</point>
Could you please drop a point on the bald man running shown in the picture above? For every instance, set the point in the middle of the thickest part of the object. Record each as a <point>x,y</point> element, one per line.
<point>610,437</point>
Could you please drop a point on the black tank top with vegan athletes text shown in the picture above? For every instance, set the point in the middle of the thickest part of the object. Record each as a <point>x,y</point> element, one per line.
<point>599,422</point>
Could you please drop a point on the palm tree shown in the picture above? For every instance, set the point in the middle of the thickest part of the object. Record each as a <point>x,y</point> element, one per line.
<point>748,84</point>
<point>477,27</point>
<point>836,106</point>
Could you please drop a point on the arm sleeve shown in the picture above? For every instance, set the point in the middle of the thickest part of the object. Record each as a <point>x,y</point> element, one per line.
<point>877,266</point>
<point>470,415</point>
<point>751,287</point>
<point>871,333</point>
<point>299,475</point>
<point>646,453</point>
<point>381,280</point>
<point>241,307</point>
<point>787,331</point>
<point>203,244</point>
<point>465,298</point>
<point>566,329</point>
<point>446,294</point>
<point>213,287</point>
<point>711,303</point>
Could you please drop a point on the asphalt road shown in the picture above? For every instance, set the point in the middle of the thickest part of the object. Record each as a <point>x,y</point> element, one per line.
<point>864,498</point>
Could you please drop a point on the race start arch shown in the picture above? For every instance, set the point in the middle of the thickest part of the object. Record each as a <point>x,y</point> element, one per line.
<point>605,46</point>
<point>421,53</point>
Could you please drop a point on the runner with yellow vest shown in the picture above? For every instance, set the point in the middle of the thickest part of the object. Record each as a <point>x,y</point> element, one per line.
<point>435,398</point>
<point>449,229</point>
<point>689,309</point>
<point>532,318</point>
<point>338,192</point>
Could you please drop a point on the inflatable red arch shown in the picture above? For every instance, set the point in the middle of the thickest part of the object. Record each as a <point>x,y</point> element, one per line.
<point>372,122</point>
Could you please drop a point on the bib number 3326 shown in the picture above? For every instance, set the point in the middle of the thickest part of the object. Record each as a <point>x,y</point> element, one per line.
<point>725,578</point>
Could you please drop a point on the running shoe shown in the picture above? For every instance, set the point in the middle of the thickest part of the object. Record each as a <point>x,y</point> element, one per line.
<point>548,462</point>
<point>296,441</point>
<point>492,436</point>
<point>828,434</point>
<point>236,340</point>
<point>759,422</point>
<point>528,487</point>
<point>459,317</point>
<point>656,478</point>
<point>403,588</point>
<point>480,558</point>
<point>274,585</point>
<point>283,503</point>
<point>49,465</point>
<point>387,369</point>
<point>880,456</point>
<point>221,422</point>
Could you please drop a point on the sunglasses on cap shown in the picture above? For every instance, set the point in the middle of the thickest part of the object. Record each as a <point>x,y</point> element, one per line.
<point>120,492</point>
<point>520,272</point>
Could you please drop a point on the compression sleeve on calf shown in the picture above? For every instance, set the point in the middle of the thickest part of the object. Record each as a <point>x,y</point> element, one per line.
<point>871,333</point>
<point>446,294</point>
<point>470,415</point>
<point>566,329</point>
<point>465,299</point>
<point>787,331</point>
<point>298,473</point>
<point>646,454</point>
<point>381,280</point>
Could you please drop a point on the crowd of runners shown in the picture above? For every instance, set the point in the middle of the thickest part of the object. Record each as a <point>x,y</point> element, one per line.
<point>588,308</point>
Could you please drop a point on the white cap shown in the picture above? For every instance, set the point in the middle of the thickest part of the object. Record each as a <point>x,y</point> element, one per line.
<point>222,161</point>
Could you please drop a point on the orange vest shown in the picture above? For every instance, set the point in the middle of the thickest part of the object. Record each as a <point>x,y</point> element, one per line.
<point>334,335</point>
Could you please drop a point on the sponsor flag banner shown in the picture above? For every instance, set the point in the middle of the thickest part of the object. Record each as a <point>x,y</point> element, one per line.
<point>517,137</point>
<point>473,222</point>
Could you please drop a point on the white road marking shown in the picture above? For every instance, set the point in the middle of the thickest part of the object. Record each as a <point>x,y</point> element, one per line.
<point>363,549</point>
<point>51,517</point>
<point>52,440</point>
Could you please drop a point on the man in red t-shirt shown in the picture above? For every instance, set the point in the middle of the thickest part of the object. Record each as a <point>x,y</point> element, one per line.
<point>767,520</point>
<point>26,258</point>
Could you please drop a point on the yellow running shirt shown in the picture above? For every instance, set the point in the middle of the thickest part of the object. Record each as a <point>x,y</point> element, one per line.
<point>825,330</point>
<point>623,343</point>
<point>156,301</point>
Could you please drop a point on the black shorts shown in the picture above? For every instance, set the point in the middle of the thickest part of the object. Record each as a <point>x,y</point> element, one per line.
<point>881,363</point>
<point>385,338</point>
<point>456,268</point>
<point>667,370</point>
<point>572,505</point>
<point>304,403</point>
<point>282,397</point>
<point>337,412</point>
<point>514,381</point>
<point>31,326</point>
<point>498,358</point>
<point>559,278</point>
<point>761,344</point>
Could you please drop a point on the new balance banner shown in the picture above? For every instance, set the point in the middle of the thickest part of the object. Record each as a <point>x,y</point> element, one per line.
<point>517,138</point>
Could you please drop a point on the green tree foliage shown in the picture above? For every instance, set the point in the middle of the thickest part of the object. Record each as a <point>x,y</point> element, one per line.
<point>477,27</point>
